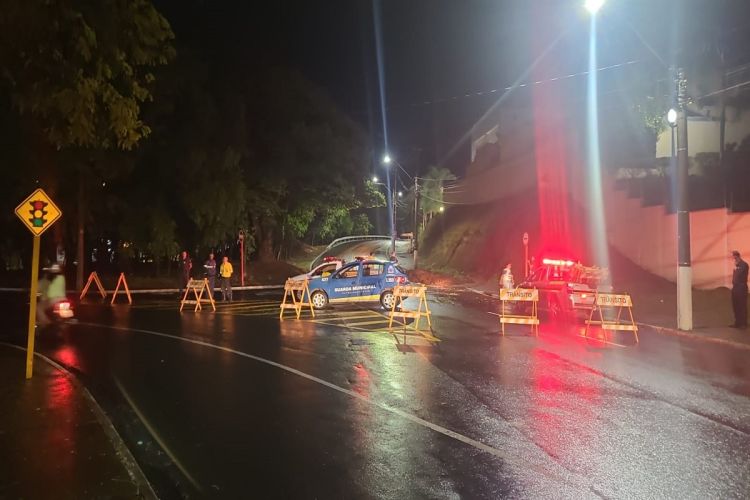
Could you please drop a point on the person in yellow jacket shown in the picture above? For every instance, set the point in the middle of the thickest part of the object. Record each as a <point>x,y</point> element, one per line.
<point>225,279</point>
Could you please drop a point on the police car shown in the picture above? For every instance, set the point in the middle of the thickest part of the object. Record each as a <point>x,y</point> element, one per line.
<point>567,289</point>
<point>363,280</point>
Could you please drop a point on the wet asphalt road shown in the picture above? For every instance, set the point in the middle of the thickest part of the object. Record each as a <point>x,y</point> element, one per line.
<point>240,405</point>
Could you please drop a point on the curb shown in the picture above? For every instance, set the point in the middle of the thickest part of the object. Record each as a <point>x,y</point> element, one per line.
<point>131,466</point>
<point>699,338</point>
<point>162,290</point>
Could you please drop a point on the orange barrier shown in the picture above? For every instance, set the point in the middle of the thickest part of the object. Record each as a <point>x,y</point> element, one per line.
<point>611,302</point>
<point>520,295</point>
<point>121,281</point>
<point>93,278</point>
<point>290,289</point>
<point>197,287</point>
<point>401,292</point>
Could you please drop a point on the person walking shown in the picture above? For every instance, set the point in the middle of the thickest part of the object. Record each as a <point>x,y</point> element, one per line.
<point>185,267</point>
<point>225,279</point>
<point>210,266</point>
<point>739,291</point>
<point>51,289</point>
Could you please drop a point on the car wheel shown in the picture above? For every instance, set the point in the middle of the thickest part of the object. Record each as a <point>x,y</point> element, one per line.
<point>555,310</point>
<point>387,299</point>
<point>319,299</point>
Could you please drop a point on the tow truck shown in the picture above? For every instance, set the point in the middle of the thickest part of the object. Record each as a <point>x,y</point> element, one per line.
<point>567,289</point>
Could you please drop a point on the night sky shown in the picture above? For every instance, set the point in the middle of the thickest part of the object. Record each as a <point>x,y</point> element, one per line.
<point>434,50</point>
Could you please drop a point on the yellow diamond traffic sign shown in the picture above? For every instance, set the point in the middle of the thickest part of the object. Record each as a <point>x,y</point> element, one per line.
<point>38,212</point>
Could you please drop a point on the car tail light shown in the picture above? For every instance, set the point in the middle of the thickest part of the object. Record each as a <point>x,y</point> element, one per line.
<point>62,306</point>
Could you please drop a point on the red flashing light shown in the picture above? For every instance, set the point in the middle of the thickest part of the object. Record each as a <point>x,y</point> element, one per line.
<point>330,258</point>
<point>557,262</point>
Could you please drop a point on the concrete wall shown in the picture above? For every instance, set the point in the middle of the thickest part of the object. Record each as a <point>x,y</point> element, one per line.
<point>647,236</point>
<point>703,134</point>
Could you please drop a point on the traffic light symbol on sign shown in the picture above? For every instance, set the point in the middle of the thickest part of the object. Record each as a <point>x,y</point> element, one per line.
<point>38,213</point>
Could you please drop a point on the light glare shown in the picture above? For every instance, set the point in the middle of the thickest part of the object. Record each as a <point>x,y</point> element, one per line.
<point>672,116</point>
<point>387,159</point>
<point>593,6</point>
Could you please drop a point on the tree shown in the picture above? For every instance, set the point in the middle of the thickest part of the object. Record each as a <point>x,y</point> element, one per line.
<point>431,189</point>
<point>78,73</point>
<point>307,161</point>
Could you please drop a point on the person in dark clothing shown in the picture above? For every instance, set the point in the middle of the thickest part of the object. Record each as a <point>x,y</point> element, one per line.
<point>739,291</point>
<point>185,266</point>
<point>210,266</point>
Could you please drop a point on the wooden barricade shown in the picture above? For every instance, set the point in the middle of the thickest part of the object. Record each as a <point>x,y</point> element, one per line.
<point>291,287</point>
<point>121,281</point>
<point>401,292</point>
<point>519,295</point>
<point>198,287</point>
<point>93,278</point>
<point>611,302</point>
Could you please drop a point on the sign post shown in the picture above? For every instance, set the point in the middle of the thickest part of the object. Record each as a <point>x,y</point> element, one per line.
<point>242,258</point>
<point>526,254</point>
<point>38,213</point>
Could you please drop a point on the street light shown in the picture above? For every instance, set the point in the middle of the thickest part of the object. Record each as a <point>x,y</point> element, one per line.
<point>672,120</point>
<point>374,178</point>
<point>386,159</point>
<point>593,6</point>
<point>672,117</point>
<point>441,209</point>
<point>400,194</point>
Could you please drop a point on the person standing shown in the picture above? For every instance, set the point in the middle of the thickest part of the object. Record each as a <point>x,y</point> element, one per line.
<point>210,266</point>
<point>225,279</point>
<point>506,278</point>
<point>739,291</point>
<point>185,266</point>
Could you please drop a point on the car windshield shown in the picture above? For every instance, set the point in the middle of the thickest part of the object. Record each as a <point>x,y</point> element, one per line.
<point>559,273</point>
<point>328,268</point>
<point>349,272</point>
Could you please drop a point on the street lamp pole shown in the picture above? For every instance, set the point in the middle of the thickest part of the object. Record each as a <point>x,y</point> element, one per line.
<point>415,235</point>
<point>396,197</point>
<point>684,269</point>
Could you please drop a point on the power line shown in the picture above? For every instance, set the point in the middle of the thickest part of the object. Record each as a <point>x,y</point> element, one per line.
<point>721,91</point>
<point>528,84</point>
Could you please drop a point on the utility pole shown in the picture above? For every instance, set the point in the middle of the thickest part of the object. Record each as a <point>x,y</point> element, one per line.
<point>684,270</point>
<point>415,234</point>
<point>395,221</point>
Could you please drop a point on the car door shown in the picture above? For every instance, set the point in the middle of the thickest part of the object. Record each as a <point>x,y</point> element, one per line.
<point>370,284</point>
<point>344,283</point>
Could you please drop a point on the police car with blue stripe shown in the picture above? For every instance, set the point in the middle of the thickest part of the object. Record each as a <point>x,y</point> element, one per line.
<point>362,280</point>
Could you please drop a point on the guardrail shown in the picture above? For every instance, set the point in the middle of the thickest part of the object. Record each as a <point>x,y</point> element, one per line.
<point>348,239</point>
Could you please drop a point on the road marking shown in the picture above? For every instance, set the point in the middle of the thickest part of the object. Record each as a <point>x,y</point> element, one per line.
<point>155,435</point>
<point>363,323</point>
<point>353,317</point>
<point>243,305</point>
<point>601,340</point>
<point>384,406</point>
